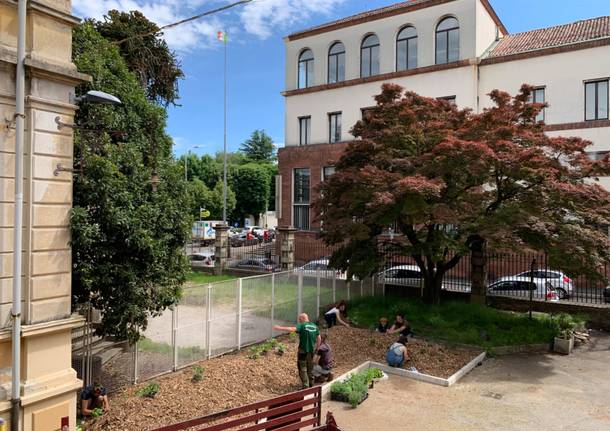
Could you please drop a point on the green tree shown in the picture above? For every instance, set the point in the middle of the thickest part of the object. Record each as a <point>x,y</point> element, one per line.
<point>251,185</point>
<point>259,147</point>
<point>205,168</point>
<point>454,181</point>
<point>128,232</point>
<point>210,199</point>
<point>148,57</point>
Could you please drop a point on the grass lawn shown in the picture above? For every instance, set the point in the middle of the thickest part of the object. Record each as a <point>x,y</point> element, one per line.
<point>457,322</point>
<point>195,278</point>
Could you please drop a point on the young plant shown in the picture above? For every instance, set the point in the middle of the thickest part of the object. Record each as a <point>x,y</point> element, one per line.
<point>281,349</point>
<point>293,336</point>
<point>197,373</point>
<point>97,413</point>
<point>149,391</point>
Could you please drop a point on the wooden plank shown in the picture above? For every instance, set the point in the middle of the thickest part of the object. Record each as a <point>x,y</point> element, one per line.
<point>298,426</point>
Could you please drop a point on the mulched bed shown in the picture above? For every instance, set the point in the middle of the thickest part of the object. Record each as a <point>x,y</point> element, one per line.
<point>234,379</point>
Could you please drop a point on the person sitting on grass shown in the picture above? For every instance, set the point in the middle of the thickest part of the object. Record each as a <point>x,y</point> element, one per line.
<point>333,315</point>
<point>401,326</point>
<point>309,342</point>
<point>94,397</point>
<point>383,325</point>
<point>397,353</point>
<point>322,371</point>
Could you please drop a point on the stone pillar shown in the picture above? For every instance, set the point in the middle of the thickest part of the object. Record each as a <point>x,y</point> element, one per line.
<point>221,254</point>
<point>49,384</point>
<point>286,247</point>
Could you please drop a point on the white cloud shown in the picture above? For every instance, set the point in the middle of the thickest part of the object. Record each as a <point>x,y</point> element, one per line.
<point>259,18</point>
<point>262,17</point>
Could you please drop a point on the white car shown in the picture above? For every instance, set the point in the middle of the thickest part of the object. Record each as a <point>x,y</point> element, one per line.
<point>320,266</point>
<point>402,275</point>
<point>202,259</point>
<point>559,281</point>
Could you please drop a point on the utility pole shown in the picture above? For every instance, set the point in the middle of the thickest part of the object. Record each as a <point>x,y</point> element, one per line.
<point>224,175</point>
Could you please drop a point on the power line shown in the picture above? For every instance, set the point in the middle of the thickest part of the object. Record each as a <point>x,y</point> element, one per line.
<point>193,18</point>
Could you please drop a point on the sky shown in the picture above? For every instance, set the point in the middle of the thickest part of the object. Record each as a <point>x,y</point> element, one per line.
<point>256,55</point>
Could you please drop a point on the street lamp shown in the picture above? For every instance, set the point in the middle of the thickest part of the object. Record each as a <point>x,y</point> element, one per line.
<point>100,97</point>
<point>186,161</point>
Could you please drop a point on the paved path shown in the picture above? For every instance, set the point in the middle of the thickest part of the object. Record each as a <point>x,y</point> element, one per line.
<point>516,393</point>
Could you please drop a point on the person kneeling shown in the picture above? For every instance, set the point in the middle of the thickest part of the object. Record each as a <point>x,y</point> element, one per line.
<point>322,371</point>
<point>94,397</point>
<point>397,353</point>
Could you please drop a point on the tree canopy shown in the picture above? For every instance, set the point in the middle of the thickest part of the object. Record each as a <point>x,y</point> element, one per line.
<point>148,57</point>
<point>259,147</point>
<point>128,232</point>
<point>251,183</point>
<point>452,180</point>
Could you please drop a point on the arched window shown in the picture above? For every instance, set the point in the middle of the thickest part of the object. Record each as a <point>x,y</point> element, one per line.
<point>369,56</point>
<point>306,69</point>
<point>336,63</point>
<point>447,41</point>
<point>406,49</point>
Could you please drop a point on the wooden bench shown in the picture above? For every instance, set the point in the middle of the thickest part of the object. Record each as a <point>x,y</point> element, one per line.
<point>291,412</point>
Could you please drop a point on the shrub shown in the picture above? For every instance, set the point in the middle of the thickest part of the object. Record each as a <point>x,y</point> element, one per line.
<point>149,391</point>
<point>354,389</point>
<point>197,373</point>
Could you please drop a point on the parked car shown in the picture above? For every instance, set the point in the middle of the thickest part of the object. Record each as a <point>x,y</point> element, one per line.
<point>241,240</point>
<point>320,266</point>
<point>402,275</point>
<point>607,294</point>
<point>257,264</point>
<point>563,285</point>
<point>202,259</point>
<point>522,287</point>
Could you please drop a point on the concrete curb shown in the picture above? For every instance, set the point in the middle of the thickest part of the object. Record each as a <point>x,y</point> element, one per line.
<point>409,374</point>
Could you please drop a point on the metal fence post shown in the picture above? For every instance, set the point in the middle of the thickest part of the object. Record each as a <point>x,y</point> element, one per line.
<point>272,302</point>
<point>361,288</point>
<point>349,288</point>
<point>208,329</point>
<point>239,295</point>
<point>373,285</point>
<point>334,286</point>
<point>300,293</point>
<point>174,338</point>
<point>135,363</point>
<point>318,293</point>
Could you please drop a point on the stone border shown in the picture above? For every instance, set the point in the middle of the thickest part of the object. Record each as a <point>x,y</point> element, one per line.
<point>426,378</point>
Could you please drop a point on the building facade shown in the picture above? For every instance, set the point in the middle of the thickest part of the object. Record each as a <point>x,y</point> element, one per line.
<point>48,382</point>
<point>453,49</point>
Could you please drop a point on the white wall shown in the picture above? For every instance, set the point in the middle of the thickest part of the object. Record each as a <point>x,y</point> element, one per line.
<point>459,82</point>
<point>487,30</point>
<point>563,75</point>
<point>425,20</point>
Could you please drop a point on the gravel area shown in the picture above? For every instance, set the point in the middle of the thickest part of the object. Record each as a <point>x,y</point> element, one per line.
<point>234,379</point>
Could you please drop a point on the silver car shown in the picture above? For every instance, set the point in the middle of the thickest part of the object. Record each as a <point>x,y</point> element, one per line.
<point>522,288</point>
<point>320,266</point>
<point>402,275</point>
<point>543,278</point>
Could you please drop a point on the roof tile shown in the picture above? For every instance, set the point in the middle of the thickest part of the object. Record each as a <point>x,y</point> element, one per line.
<point>568,34</point>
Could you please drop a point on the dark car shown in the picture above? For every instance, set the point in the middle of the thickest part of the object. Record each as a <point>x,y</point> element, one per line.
<point>607,294</point>
<point>257,264</point>
<point>241,240</point>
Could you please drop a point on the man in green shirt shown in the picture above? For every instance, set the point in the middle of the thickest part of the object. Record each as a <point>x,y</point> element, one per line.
<point>309,341</point>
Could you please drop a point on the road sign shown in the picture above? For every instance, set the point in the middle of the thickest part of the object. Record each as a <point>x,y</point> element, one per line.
<point>203,213</point>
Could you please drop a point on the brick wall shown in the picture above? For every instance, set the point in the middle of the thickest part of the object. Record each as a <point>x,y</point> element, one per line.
<point>314,157</point>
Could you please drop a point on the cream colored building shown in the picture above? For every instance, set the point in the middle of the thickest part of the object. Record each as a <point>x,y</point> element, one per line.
<point>48,381</point>
<point>455,49</point>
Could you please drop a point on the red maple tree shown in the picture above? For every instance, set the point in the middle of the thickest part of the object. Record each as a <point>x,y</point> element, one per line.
<point>454,182</point>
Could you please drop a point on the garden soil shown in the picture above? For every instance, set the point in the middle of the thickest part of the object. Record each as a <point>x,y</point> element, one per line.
<point>234,379</point>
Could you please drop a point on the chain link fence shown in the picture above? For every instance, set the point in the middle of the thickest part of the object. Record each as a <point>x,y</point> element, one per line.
<point>211,320</point>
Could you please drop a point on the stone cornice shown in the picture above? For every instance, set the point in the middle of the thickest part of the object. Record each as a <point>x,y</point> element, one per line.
<point>74,321</point>
<point>39,7</point>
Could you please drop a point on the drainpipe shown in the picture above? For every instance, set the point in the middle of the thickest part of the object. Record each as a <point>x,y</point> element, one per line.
<point>18,234</point>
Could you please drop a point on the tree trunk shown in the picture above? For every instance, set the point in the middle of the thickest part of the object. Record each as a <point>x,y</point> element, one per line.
<point>478,271</point>
<point>432,288</point>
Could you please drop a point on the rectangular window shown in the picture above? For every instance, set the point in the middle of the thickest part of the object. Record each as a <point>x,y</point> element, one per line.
<point>300,202</point>
<point>304,130</point>
<point>450,99</point>
<point>538,96</point>
<point>334,127</point>
<point>364,112</point>
<point>596,100</point>
<point>327,172</point>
